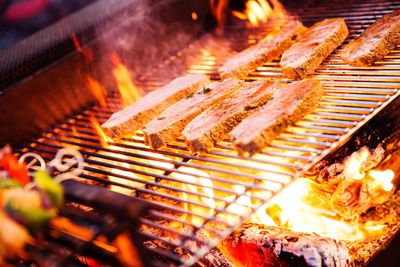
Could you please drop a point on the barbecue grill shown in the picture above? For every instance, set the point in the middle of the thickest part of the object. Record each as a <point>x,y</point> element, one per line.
<point>184,204</point>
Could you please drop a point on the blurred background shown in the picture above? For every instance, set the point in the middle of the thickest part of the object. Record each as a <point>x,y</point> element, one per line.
<point>21,18</point>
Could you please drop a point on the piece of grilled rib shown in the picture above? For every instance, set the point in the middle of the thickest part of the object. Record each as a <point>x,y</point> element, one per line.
<point>268,49</point>
<point>375,42</point>
<point>135,116</point>
<point>254,245</point>
<point>171,122</point>
<point>215,123</point>
<point>289,104</point>
<point>304,57</point>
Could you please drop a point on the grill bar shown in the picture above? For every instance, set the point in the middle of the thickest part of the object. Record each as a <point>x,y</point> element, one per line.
<point>195,195</point>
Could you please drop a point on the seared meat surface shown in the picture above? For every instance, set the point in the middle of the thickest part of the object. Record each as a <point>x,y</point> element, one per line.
<point>375,42</point>
<point>268,49</point>
<point>289,104</point>
<point>305,56</point>
<point>135,116</point>
<point>171,122</point>
<point>215,123</point>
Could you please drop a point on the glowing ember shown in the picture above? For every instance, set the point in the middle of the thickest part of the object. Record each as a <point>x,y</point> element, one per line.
<point>129,92</point>
<point>306,206</point>
<point>194,16</point>
<point>259,11</point>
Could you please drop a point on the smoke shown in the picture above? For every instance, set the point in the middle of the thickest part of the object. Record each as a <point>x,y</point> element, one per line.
<point>158,40</point>
<point>144,36</point>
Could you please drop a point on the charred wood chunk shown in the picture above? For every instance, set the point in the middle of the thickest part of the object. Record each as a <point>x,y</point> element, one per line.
<point>376,157</point>
<point>214,258</point>
<point>260,245</point>
<point>354,197</point>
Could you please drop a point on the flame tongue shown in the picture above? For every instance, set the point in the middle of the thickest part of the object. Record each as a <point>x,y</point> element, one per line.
<point>259,11</point>
<point>128,91</point>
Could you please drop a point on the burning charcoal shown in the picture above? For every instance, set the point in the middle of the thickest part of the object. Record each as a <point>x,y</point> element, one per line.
<point>260,245</point>
<point>354,197</point>
<point>345,200</point>
<point>372,161</point>
<point>331,174</point>
<point>214,258</point>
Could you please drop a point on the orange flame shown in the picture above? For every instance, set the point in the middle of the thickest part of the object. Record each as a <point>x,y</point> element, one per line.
<point>127,89</point>
<point>304,205</point>
<point>383,179</point>
<point>218,9</point>
<point>259,11</point>
<point>103,138</point>
<point>98,91</point>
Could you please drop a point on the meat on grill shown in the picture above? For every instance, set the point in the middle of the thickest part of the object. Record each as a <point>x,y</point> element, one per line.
<point>135,116</point>
<point>171,122</point>
<point>215,123</point>
<point>375,42</point>
<point>304,57</point>
<point>268,49</point>
<point>288,105</point>
<point>260,245</point>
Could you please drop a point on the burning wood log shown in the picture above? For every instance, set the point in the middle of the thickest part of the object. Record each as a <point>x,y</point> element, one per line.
<point>364,180</point>
<point>260,245</point>
<point>214,258</point>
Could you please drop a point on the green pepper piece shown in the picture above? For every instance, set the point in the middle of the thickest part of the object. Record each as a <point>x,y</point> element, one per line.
<point>52,189</point>
<point>34,219</point>
<point>9,183</point>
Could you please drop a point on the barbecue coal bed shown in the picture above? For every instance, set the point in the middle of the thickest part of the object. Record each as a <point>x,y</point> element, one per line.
<point>139,207</point>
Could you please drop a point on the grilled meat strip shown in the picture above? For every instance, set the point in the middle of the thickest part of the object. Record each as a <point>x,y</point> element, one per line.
<point>260,245</point>
<point>215,123</point>
<point>318,42</point>
<point>171,122</point>
<point>134,117</point>
<point>375,42</point>
<point>268,49</point>
<point>288,105</point>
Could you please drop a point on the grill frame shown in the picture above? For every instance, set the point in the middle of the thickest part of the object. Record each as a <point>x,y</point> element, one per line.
<point>334,126</point>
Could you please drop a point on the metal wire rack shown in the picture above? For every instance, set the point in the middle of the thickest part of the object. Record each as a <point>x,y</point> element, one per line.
<point>197,200</point>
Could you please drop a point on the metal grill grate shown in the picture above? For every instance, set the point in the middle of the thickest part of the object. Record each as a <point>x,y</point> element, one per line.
<point>198,200</point>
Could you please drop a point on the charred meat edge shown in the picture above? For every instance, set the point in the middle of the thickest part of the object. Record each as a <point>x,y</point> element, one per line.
<point>250,139</point>
<point>232,111</point>
<point>268,49</point>
<point>296,63</point>
<point>173,120</point>
<point>135,116</point>
<point>375,42</point>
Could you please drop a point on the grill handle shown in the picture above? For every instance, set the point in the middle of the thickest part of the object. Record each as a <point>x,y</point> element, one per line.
<point>127,209</point>
<point>121,206</point>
